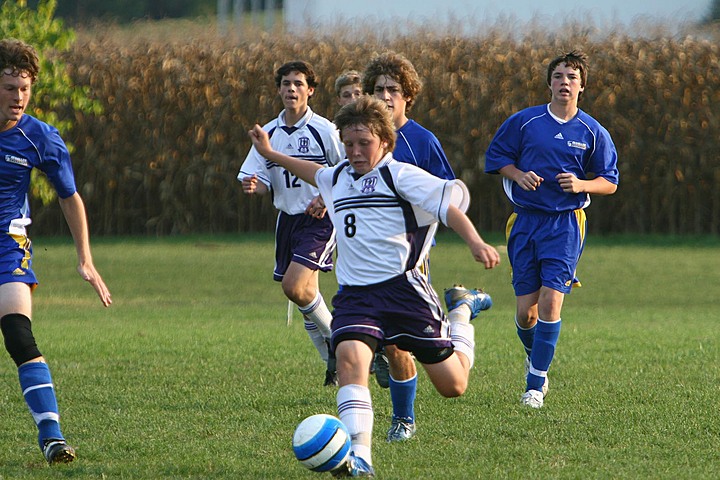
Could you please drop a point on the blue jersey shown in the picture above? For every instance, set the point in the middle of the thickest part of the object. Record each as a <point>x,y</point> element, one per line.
<point>418,146</point>
<point>30,144</point>
<point>533,139</point>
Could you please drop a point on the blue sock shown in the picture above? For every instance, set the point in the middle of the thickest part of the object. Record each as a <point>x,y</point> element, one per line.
<point>39,394</point>
<point>527,336</point>
<point>403,397</point>
<point>543,350</point>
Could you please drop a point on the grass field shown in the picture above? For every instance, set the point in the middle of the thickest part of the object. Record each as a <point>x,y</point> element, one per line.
<point>193,373</point>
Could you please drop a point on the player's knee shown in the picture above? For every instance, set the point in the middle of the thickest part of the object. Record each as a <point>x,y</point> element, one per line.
<point>453,389</point>
<point>299,294</point>
<point>19,340</point>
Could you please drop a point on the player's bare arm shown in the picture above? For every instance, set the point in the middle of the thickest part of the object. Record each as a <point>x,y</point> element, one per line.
<point>527,180</point>
<point>481,251</point>
<point>300,168</point>
<point>74,211</point>
<point>598,186</point>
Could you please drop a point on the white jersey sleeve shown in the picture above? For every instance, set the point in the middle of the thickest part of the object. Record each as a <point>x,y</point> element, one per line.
<point>431,196</point>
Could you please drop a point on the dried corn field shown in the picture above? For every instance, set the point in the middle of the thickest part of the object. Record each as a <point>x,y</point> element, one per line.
<point>162,157</point>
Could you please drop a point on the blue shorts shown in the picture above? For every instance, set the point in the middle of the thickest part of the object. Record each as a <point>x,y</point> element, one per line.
<point>305,240</point>
<point>16,260</point>
<point>544,250</point>
<point>403,311</point>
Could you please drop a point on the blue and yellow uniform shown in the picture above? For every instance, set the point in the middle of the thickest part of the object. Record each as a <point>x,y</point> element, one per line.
<point>29,144</point>
<point>546,231</point>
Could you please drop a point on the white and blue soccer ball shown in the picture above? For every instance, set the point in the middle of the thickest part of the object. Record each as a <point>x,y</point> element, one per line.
<point>321,443</point>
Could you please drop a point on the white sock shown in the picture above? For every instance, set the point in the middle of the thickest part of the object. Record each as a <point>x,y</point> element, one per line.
<point>463,339</point>
<point>317,339</point>
<point>355,411</point>
<point>318,313</point>
<point>460,314</point>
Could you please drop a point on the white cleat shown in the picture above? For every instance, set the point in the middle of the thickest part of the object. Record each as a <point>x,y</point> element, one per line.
<point>532,398</point>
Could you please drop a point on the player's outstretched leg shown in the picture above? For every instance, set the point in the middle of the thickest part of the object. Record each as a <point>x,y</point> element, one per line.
<point>37,387</point>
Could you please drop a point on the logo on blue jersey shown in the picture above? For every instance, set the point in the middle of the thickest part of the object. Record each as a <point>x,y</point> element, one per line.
<point>17,160</point>
<point>368,185</point>
<point>580,145</point>
<point>303,144</point>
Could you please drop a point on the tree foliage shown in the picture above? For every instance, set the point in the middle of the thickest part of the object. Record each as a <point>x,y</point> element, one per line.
<point>53,89</point>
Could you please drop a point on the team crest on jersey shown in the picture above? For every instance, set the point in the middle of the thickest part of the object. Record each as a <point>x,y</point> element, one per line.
<point>580,145</point>
<point>368,185</point>
<point>17,160</point>
<point>303,145</point>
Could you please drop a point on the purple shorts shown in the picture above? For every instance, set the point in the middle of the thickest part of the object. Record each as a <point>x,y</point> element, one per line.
<point>404,311</point>
<point>305,240</point>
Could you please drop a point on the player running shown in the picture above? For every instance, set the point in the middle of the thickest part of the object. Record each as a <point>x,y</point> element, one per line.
<point>552,157</point>
<point>304,236</point>
<point>392,78</point>
<point>27,143</point>
<point>386,214</point>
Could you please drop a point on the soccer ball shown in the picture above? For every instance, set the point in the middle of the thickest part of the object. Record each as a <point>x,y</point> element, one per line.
<point>321,443</point>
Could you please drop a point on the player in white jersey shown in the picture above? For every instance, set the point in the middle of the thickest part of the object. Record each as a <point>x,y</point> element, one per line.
<point>392,78</point>
<point>27,143</point>
<point>304,235</point>
<point>385,213</point>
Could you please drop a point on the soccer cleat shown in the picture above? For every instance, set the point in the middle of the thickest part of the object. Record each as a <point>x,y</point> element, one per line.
<point>330,379</point>
<point>532,398</point>
<point>382,369</point>
<point>354,467</point>
<point>56,450</point>
<point>546,384</point>
<point>476,300</point>
<point>401,429</point>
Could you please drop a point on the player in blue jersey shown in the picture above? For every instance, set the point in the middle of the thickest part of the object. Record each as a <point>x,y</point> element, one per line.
<point>386,214</point>
<point>27,143</point>
<point>392,78</point>
<point>552,157</point>
<point>304,236</point>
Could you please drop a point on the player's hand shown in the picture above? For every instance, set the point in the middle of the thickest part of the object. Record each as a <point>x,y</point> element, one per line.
<point>89,274</point>
<point>260,140</point>
<point>486,254</point>
<point>569,182</point>
<point>529,181</point>
<point>316,208</point>
<point>249,184</point>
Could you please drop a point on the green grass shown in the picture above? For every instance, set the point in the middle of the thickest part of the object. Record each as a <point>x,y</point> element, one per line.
<point>192,373</point>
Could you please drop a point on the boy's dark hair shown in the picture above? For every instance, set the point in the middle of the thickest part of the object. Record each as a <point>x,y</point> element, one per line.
<point>19,57</point>
<point>297,66</point>
<point>574,59</point>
